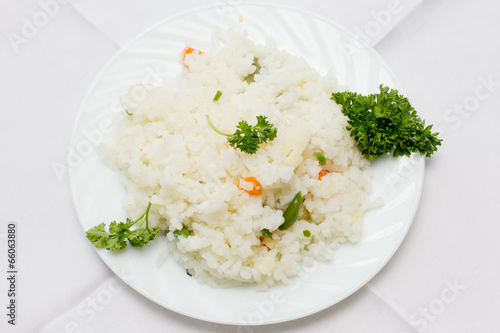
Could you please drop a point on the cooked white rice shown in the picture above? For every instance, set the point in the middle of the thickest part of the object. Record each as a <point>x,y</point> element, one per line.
<point>169,155</point>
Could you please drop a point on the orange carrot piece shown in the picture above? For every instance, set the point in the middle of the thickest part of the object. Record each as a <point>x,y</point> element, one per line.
<point>188,50</point>
<point>321,173</point>
<point>250,185</point>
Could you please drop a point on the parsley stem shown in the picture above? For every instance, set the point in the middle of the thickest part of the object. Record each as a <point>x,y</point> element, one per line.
<point>145,217</point>
<point>146,213</point>
<point>215,129</point>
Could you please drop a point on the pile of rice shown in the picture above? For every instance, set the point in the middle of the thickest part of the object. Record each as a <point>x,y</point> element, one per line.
<point>169,155</point>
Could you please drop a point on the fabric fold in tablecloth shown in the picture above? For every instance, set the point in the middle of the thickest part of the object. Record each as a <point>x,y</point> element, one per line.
<point>122,21</point>
<point>107,304</point>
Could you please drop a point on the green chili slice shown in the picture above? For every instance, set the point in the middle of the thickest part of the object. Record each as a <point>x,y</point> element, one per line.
<point>291,214</point>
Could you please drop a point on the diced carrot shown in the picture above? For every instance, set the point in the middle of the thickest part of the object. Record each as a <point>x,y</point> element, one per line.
<point>250,185</point>
<point>321,173</point>
<point>188,50</point>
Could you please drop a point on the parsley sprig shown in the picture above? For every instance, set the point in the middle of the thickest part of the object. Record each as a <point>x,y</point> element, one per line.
<point>247,138</point>
<point>118,232</point>
<point>386,122</point>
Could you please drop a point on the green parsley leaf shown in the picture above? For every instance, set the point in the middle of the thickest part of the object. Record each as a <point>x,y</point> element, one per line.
<point>98,235</point>
<point>386,122</point>
<point>118,232</point>
<point>246,137</point>
<point>139,237</point>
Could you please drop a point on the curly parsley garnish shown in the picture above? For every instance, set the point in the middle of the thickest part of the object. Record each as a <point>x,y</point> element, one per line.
<point>118,232</point>
<point>247,138</point>
<point>386,122</point>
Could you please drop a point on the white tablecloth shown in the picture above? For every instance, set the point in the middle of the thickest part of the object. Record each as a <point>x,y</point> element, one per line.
<point>444,277</point>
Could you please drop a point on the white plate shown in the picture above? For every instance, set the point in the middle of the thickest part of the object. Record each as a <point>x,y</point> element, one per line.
<point>153,59</point>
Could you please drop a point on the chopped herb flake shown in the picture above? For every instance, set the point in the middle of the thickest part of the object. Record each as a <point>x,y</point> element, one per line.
<point>218,94</point>
<point>250,78</point>
<point>320,157</point>
<point>182,232</point>
<point>266,233</point>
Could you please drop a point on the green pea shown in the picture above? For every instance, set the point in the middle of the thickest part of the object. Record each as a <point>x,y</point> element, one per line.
<point>291,214</point>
